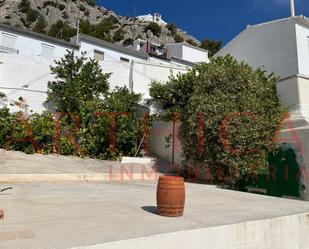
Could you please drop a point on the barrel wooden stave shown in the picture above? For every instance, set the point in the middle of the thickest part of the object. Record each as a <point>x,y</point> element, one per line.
<point>170,196</point>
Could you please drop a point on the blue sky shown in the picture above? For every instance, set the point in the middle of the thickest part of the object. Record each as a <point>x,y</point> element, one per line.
<point>218,19</point>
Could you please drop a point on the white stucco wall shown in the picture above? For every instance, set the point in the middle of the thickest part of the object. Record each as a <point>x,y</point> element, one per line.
<point>272,45</point>
<point>194,55</point>
<point>160,147</point>
<point>109,54</point>
<point>302,34</point>
<point>32,46</point>
<point>145,72</point>
<point>176,50</point>
<point>17,71</point>
<point>187,52</point>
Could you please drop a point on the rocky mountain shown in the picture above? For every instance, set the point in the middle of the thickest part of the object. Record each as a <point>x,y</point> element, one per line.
<point>58,18</point>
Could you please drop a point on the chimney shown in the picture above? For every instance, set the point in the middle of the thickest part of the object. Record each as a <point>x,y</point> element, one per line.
<point>292,8</point>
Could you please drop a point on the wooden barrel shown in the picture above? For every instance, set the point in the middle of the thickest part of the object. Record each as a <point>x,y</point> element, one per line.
<point>170,196</point>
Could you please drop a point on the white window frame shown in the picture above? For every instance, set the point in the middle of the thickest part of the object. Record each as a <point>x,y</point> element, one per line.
<point>99,52</point>
<point>47,46</point>
<point>9,36</point>
<point>124,59</point>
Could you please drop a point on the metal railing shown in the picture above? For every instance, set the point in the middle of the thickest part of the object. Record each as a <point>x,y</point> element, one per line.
<point>8,50</point>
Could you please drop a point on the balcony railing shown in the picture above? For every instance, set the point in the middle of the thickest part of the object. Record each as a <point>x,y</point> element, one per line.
<point>7,50</point>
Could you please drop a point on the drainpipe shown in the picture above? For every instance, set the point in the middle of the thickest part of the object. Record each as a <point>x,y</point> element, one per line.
<point>131,76</point>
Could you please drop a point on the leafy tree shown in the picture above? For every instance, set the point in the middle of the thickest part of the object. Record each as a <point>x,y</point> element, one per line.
<point>212,46</point>
<point>155,28</point>
<point>175,94</point>
<point>122,100</point>
<point>229,110</point>
<point>78,80</point>
<point>79,92</point>
<point>40,25</point>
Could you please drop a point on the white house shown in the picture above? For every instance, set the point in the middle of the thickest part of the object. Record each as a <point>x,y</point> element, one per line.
<point>156,17</point>
<point>282,47</point>
<point>26,57</point>
<point>188,52</point>
<point>23,42</point>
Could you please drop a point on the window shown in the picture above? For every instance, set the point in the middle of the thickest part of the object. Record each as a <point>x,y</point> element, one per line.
<point>47,51</point>
<point>122,59</point>
<point>98,55</point>
<point>8,40</point>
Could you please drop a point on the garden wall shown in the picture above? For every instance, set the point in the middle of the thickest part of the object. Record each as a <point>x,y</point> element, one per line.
<point>164,141</point>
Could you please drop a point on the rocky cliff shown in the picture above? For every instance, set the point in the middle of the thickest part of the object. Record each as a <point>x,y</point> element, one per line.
<point>58,18</point>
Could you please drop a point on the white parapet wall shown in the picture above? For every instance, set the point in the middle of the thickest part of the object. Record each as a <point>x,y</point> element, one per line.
<point>288,232</point>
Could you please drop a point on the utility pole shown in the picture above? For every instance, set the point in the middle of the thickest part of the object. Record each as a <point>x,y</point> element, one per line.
<point>292,4</point>
<point>77,32</point>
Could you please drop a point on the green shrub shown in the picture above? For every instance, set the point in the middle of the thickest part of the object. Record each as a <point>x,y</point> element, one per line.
<point>61,7</point>
<point>5,125</point>
<point>32,15</point>
<point>82,7</point>
<point>178,38</point>
<point>24,6</point>
<point>50,3</point>
<point>172,28</point>
<point>40,25</point>
<point>212,46</point>
<point>127,42</point>
<point>102,29</point>
<point>238,109</point>
<point>42,126</point>
<point>90,2</point>
<point>86,12</point>
<point>192,42</point>
<point>113,19</point>
<point>86,27</point>
<point>118,35</point>
<point>65,15</point>
<point>155,28</point>
<point>62,30</point>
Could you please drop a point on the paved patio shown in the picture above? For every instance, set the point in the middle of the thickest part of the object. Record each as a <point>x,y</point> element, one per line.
<point>20,167</point>
<point>123,215</point>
